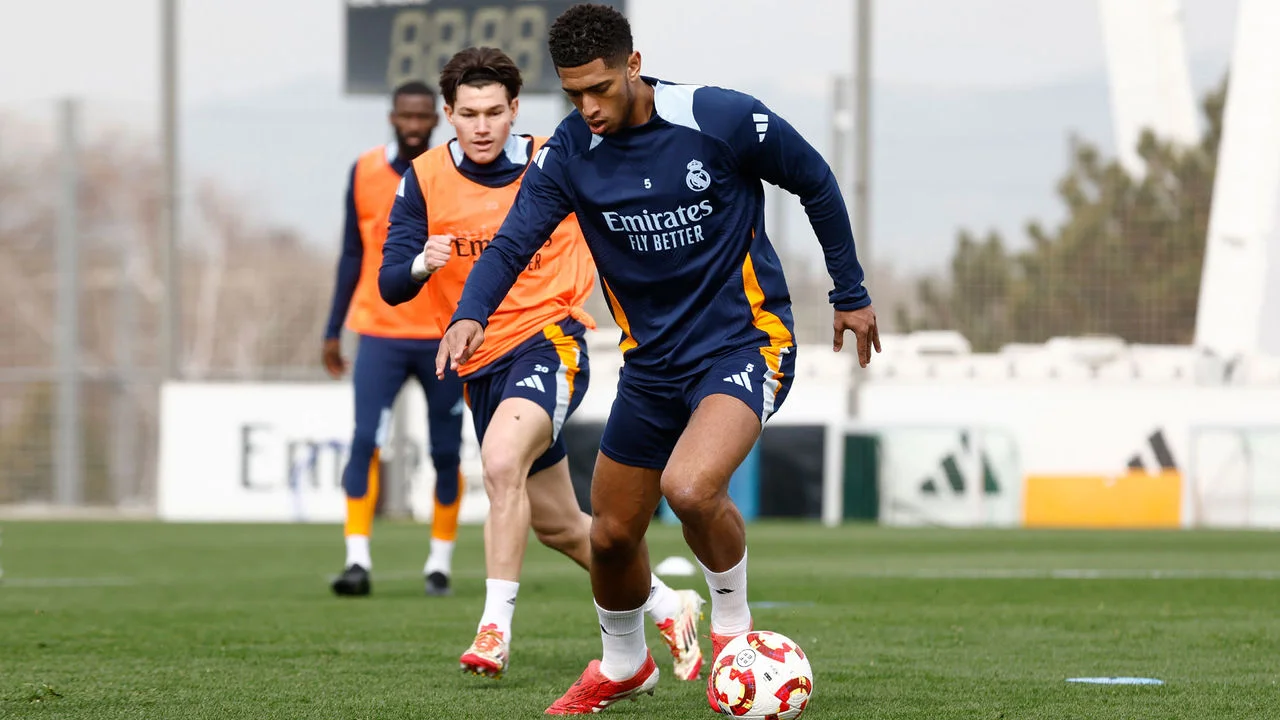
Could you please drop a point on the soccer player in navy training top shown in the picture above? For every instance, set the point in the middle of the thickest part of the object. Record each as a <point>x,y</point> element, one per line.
<point>395,342</point>
<point>666,183</point>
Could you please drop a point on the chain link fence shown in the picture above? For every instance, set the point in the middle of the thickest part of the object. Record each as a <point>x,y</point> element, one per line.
<point>79,401</point>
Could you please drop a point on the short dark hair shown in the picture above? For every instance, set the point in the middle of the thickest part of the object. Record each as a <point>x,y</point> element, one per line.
<point>478,67</point>
<point>589,31</point>
<point>412,87</point>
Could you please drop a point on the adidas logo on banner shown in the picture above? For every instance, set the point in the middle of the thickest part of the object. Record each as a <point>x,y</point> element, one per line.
<point>954,478</point>
<point>1142,461</point>
<point>741,378</point>
<point>533,381</point>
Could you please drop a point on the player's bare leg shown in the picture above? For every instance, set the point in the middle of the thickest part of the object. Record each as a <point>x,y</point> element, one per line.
<point>560,525</point>
<point>718,438</point>
<point>519,432</point>
<point>623,500</point>
<point>554,515</point>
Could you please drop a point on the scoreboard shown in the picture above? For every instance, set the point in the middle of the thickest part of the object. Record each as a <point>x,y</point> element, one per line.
<point>392,41</point>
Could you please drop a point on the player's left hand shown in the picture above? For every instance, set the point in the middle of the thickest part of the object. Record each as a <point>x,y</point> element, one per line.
<point>863,324</point>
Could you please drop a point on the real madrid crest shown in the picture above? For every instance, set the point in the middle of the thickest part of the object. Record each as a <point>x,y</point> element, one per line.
<point>697,179</point>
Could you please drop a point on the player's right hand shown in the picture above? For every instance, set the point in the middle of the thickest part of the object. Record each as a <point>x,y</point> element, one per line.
<point>332,358</point>
<point>437,252</point>
<point>459,343</point>
<point>863,324</point>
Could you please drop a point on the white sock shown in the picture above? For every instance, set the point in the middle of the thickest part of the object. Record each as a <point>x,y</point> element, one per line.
<point>441,557</point>
<point>499,605</point>
<point>729,612</point>
<point>663,602</point>
<point>358,551</point>
<point>622,633</point>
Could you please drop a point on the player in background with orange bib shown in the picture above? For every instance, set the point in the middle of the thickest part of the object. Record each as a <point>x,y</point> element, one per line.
<point>533,371</point>
<point>394,344</point>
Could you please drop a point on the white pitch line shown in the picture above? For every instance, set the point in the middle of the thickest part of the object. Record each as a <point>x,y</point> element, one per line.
<point>67,582</point>
<point>1068,574</point>
<point>922,574</point>
<point>976,574</point>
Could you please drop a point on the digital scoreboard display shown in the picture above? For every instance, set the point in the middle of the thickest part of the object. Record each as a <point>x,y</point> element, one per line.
<point>393,41</point>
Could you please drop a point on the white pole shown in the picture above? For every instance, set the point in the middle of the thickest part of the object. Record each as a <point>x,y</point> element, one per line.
<point>170,245</point>
<point>68,460</point>
<point>862,150</point>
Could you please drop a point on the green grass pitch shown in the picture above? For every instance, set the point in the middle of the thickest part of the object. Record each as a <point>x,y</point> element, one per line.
<point>147,620</point>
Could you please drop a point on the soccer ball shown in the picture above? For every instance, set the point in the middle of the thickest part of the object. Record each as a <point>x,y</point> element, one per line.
<point>761,674</point>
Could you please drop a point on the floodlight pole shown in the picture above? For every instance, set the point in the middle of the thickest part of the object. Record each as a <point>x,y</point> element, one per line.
<point>833,486</point>
<point>170,227</point>
<point>68,462</point>
<point>862,141</point>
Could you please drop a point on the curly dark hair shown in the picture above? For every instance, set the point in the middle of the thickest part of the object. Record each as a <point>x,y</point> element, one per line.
<point>589,31</point>
<point>412,87</point>
<point>478,67</point>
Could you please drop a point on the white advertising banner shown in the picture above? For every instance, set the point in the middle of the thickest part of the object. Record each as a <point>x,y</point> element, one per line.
<point>1096,428</point>
<point>275,452</point>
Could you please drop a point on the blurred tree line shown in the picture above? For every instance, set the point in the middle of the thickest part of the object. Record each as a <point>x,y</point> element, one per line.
<point>254,298</point>
<point>1125,262</point>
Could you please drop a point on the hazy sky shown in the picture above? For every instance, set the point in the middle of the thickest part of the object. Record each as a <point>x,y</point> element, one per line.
<point>244,52</point>
<point>109,50</point>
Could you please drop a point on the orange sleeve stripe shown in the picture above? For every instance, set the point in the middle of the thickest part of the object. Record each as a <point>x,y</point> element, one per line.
<point>567,350</point>
<point>765,321</point>
<point>628,340</point>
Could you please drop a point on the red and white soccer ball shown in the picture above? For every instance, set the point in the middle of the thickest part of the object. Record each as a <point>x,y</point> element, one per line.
<point>761,674</point>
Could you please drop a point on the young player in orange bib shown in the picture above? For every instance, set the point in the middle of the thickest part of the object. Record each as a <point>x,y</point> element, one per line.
<point>533,372</point>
